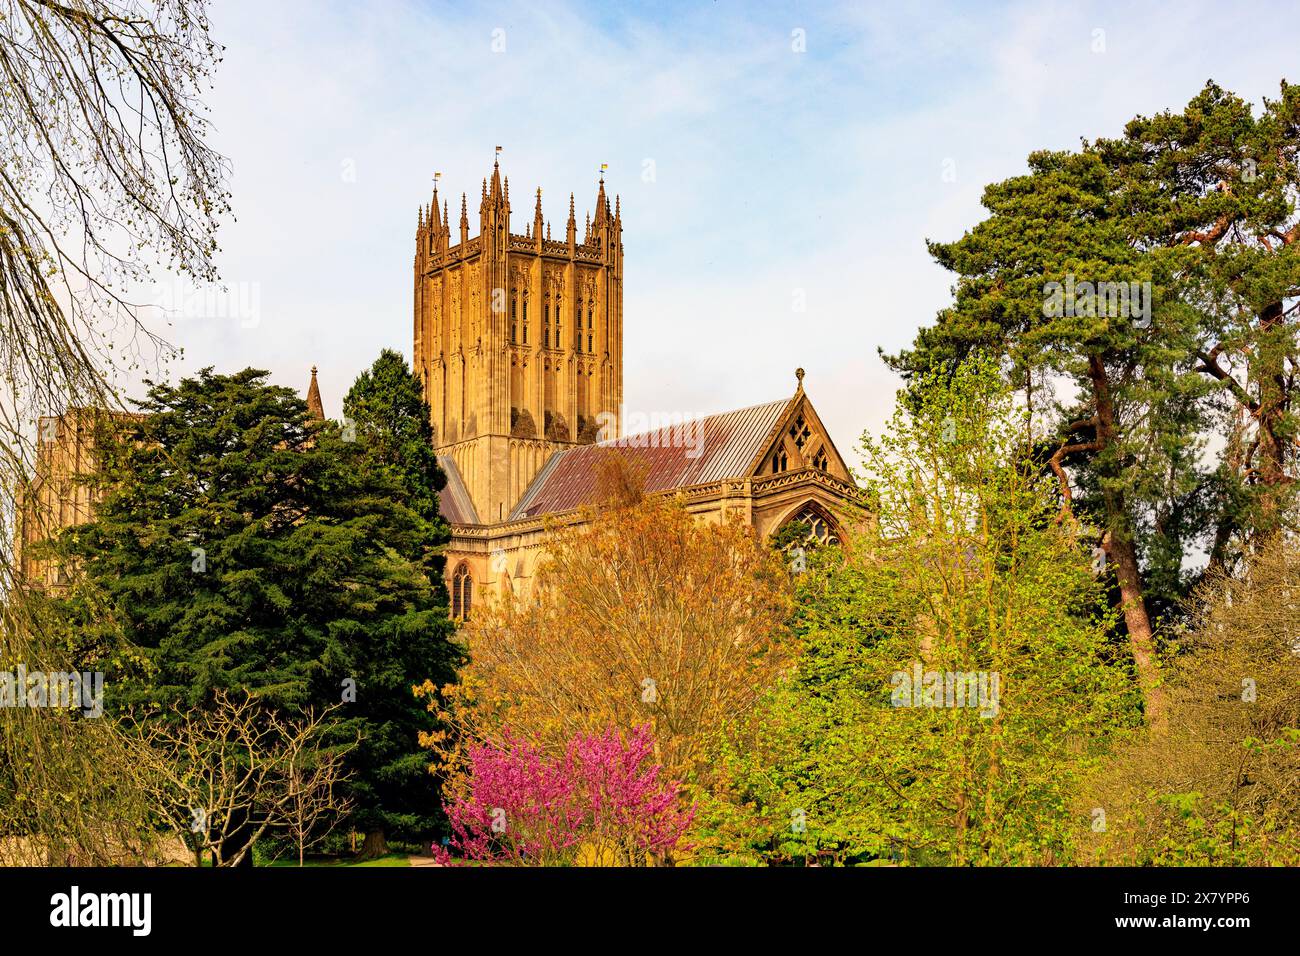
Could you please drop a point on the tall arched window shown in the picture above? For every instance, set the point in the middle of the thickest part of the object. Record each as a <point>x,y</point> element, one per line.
<point>819,530</point>
<point>462,592</point>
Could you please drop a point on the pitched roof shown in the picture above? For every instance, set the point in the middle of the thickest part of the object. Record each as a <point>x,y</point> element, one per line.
<point>694,452</point>
<point>454,502</point>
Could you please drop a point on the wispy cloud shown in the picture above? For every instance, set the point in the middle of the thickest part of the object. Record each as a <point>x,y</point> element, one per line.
<point>752,173</point>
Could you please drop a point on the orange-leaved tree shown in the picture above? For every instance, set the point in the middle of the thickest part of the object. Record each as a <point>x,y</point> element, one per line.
<point>640,614</point>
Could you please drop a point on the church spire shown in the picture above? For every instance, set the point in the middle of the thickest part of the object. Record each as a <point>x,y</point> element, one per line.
<point>314,407</point>
<point>537,214</point>
<point>464,219</point>
<point>571,228</point>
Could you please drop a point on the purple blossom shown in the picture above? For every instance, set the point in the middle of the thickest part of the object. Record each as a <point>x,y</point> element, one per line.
<point>603,795</point>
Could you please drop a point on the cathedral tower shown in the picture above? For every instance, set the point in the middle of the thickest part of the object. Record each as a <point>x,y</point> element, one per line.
<point>518,338</point>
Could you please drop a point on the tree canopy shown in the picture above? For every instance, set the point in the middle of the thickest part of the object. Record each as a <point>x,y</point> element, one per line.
<point>242,546</point>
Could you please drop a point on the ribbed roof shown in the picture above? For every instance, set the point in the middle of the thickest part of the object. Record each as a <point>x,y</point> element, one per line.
<point>454,502</point>
<point>693,453</point>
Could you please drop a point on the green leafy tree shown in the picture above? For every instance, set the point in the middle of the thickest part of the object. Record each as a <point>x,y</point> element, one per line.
<point>243,546</point>
<point>1223,789</point>
<point>954,679</point>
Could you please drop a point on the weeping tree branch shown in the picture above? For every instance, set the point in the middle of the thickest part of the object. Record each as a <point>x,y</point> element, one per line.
<point>106,184</point>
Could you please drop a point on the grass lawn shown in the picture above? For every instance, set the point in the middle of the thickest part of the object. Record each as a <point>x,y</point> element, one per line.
<point>392,859</point>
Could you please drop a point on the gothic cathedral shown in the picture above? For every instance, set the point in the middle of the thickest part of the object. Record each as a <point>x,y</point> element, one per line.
<point>519,343</point>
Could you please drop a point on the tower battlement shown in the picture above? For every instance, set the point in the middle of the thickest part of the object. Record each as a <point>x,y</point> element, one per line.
<point>518,338</point>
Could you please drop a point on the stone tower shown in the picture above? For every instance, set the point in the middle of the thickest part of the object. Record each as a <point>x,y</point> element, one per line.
<point>518,338</point>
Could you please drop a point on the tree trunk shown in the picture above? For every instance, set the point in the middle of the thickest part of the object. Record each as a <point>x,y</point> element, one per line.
<point>1271,351</point>
<point>1140,638</point>
<point>1120,549</point>
<point>374,846</point>
<point>238,837</point>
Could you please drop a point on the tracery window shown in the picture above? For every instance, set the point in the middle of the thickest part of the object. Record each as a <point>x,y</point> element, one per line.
<point>820,531</point>
<point>462,592</point>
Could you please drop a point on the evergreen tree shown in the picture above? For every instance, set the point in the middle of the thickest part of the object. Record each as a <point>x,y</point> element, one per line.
<point>1215,189</point>
<point>1201,204</point>
<point>1125,437</point>
<point>387,410</point>
<point>243,546</point>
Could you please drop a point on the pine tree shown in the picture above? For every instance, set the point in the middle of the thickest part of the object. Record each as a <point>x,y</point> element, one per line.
<point>1033,284</point>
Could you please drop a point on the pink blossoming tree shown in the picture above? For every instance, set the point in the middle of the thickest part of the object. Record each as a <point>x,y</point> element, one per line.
<point>601,802</point>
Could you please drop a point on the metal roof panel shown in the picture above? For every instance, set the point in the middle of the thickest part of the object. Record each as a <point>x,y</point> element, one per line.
<point>694,452</point>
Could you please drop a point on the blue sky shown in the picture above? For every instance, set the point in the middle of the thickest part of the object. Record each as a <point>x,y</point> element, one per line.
<point>766,154</point>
